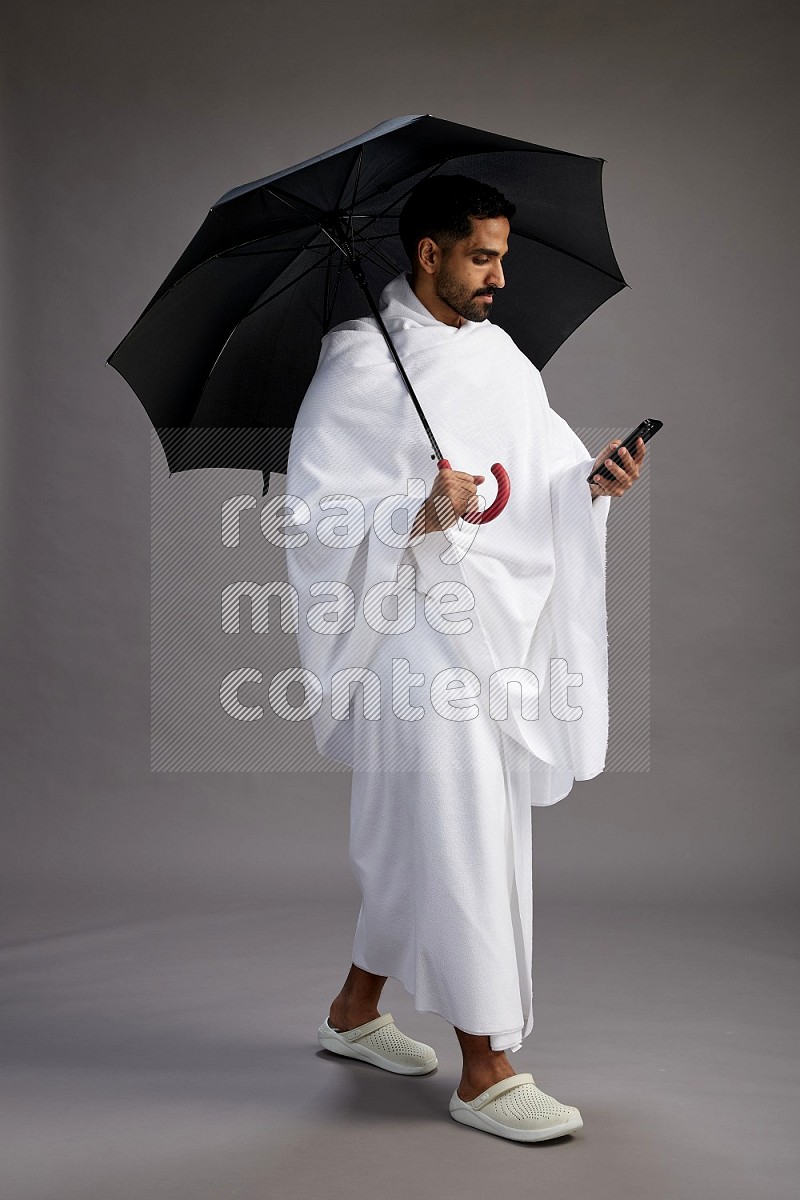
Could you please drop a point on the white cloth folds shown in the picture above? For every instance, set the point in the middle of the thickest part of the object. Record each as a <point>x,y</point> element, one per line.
<point>532,581</point>
<point>447,755</point>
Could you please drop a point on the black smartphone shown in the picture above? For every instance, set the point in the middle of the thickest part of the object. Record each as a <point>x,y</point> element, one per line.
<point>644,431</point>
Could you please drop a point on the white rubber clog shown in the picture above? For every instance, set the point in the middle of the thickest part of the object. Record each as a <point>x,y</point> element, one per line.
<point>381,1043</point>
<point>516,1108</point>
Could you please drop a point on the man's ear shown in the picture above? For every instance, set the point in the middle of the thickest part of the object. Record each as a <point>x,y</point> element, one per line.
<point>427,250</point>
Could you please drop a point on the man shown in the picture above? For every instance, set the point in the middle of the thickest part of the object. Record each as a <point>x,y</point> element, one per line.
<point>440,817</point>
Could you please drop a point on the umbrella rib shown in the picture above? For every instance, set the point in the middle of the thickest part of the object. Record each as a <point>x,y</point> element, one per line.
<point>233,252</point>
<point>348,173</point>
<point>249,313</point>
<point>355,194</point>
<point>336,285</point>
<point>326,293</point>
<point>531,237</point>
<point>367,255</point>
<point>292,283</point>
<point>263,237</point>
<point>313,212</point>
<point>330,296</point>
<point>377,237</point>
<point>358,178</point>
<point>322,248</point>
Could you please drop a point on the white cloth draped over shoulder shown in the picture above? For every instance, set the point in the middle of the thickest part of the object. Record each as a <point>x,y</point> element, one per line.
<point>525,589</point>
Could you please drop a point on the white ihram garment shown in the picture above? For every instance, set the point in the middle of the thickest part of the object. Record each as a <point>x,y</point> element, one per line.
<point>444,779</point>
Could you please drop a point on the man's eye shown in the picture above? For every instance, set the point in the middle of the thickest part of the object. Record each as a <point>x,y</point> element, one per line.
<point>480,261</point>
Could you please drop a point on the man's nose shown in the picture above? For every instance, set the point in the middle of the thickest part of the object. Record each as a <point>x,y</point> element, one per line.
<point>496,277</point>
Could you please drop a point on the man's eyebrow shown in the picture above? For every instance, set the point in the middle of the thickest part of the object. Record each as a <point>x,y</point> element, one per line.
<point>484,250</point>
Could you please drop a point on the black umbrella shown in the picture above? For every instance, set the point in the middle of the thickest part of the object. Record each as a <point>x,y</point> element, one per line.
<point>223,354</point>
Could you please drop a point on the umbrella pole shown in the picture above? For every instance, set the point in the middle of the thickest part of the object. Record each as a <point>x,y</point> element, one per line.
<point>355,267</point>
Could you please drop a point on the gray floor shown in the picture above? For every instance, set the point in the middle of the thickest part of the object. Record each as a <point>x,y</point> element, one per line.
<point>174,1055</point>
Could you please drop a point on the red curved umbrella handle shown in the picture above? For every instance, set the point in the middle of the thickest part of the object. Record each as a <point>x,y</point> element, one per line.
<point>500,500</point>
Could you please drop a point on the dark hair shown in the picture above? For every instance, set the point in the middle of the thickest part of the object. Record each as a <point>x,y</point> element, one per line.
<point>440,207</point>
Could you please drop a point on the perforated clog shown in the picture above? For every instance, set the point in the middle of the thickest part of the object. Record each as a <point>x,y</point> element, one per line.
<point>381,1043</point>
<point>516,1108</point>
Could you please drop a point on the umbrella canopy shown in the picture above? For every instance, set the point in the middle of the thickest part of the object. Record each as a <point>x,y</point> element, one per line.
<point>223,354</point>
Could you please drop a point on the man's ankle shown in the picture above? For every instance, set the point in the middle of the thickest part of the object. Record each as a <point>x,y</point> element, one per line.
<point>476,1077</point>
<point>349,1015</point>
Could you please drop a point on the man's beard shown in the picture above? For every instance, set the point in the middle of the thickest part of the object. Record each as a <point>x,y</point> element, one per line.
<point>461,299</point>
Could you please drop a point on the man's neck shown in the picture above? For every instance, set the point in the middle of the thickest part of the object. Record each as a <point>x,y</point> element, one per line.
<point>423,290</point>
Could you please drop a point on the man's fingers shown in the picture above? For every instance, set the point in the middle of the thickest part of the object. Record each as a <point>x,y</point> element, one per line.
<point>458,488</point>
<point>630,463</point>
<point>467,475</point>
<point>459,491</point>
<point>616,470</point>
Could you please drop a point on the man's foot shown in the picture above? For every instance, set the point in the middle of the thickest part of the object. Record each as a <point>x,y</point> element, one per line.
<point>479,1077</point>
<point>517,1109</point>
<point>379,1042</point>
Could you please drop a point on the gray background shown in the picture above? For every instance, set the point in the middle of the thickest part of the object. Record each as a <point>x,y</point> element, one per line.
<point>172,940</point>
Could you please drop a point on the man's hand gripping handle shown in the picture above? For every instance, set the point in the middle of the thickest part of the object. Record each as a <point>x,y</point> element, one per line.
<point>500,500</point>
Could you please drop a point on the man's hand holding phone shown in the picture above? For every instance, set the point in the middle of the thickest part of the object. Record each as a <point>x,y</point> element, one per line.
<point>625,473</point>
<point>618,464</point>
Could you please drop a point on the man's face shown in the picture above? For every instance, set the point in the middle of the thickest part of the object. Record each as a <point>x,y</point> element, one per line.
<point>470,271</point>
